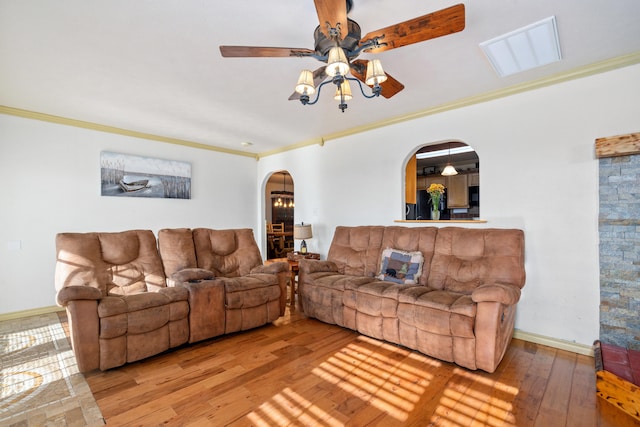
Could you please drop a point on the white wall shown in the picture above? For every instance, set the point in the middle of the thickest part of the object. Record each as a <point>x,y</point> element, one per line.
<point>50,177</point>
<point>538,173</point>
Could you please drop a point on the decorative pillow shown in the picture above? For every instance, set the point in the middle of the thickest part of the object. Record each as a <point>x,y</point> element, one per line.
<point>400,266</point>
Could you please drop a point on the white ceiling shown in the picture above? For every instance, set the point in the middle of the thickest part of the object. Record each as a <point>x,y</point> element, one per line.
<point>154,66</point>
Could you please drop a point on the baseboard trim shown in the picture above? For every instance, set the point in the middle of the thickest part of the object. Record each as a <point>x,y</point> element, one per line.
<point>573,347</point>
<point>29,313</point>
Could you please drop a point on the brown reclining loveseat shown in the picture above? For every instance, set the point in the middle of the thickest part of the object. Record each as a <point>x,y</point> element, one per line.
<point>122,307</point>
<point>450,292</point>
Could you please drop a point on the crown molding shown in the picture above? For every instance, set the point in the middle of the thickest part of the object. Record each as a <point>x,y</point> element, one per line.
<point>119,131</point>
<point>592,69</point>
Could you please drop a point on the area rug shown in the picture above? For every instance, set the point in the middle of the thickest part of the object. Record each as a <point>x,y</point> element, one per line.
<point>39,378</point>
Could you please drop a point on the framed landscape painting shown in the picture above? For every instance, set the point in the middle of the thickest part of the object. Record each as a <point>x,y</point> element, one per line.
<point>123,175</point>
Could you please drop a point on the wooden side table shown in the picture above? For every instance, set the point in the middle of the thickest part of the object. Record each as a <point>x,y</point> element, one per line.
<point>293,258</point>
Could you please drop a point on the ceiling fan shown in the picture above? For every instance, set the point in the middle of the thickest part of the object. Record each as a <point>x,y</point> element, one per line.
<point>338,42</point>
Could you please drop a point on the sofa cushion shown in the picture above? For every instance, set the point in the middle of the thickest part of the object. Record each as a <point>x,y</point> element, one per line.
<point>467,258</point>
<point>111,306</point>
<point>177,250</point>
<point>227,253</point>
<point>378,299</point>
<point>148,320</point>
<point>126,279</point>
<point>139,313</point>
<point>441,300</point>
<point>356,250</point>
<point>339,282</point>
<point>116,263</point>
<point>133,261</point>
<point>439,312</point>
<point>400,266</point>
<point>249,291</point>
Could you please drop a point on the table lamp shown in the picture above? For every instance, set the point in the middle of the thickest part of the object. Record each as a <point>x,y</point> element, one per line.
<point>300,232</point>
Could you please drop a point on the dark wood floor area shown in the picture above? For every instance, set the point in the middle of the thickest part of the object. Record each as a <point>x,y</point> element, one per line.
<point>299,371</point>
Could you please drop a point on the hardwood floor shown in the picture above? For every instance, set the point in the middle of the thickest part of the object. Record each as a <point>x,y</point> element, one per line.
<point>300,371</point>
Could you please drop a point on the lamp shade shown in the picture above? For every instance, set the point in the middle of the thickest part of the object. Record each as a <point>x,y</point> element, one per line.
<point>337,63</point>
<point>375,73</point>
<point>345,88</point>
<point>302,231</point>
<point>305,83</point>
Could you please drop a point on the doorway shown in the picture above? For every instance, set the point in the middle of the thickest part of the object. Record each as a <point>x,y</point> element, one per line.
<point>279,214</point>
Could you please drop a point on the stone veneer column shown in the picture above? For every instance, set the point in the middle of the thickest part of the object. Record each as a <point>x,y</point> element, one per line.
<point>619,229</point>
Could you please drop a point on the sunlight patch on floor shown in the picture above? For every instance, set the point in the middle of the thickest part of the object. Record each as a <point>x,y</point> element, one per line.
<point>392,380</point>
<point>473,397</point>
<point>386,383</point>
<point>287,406</point>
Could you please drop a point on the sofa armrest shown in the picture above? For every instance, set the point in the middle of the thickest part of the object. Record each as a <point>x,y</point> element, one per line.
<point>273,268</point>
<point>502,293</point>
<point>495,319</point>
<point>84,330</point>
<point>73,293</point>
<point>316,266</point>
<point>189,275</point>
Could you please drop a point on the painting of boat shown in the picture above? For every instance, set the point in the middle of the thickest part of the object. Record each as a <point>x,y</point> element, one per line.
<point>131,183</point>
<point>124,175</point>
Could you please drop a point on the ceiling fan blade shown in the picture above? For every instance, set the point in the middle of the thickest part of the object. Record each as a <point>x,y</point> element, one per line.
<point>318,77</point>
<point>332,14</point>
<point>430,26</point>
<point>256,51</point>
<point>390,86</point>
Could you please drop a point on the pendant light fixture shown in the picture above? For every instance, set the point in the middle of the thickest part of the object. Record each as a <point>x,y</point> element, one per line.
<point>449,170</point>
<point>288,201</point>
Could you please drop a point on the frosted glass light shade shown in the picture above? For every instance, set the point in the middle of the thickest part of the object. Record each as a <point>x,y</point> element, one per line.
<point>305,83</point>
<point>337,64</point>
<point>449,171</point>
<point>346,92</point>
<point>375,73</point>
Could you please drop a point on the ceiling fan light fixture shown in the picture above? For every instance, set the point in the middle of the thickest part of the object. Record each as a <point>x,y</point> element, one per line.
<point>305,83</point>
<point>343,92</point>
<point>375,73</point>
<point>337,63</point>
<point>449,170</point>
<point>339,41</point>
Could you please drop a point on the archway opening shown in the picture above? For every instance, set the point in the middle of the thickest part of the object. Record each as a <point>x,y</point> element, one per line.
<point>460,199</point>
<point>279,214</point>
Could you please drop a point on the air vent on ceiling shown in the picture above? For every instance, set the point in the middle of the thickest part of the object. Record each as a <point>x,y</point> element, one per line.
<point>525,48</point>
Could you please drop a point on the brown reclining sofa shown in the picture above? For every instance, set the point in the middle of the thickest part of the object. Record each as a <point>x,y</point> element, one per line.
<point>125,303</point>
<point>449,292</point>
